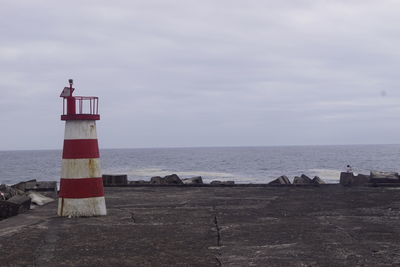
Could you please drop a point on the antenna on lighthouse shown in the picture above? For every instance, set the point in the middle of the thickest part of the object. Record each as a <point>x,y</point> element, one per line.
<point>67,91</point>
<point>71,82</point>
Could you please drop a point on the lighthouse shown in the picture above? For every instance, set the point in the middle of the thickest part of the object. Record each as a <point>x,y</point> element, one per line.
<point>81,186</point>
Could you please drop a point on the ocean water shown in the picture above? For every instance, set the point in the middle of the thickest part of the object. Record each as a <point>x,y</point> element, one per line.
<point>241,164</point>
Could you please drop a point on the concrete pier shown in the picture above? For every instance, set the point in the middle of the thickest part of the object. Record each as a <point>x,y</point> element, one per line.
<point>214,226</point>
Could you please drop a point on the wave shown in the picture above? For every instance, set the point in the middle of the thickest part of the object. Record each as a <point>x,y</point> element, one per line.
<point>328,175</point>
<point>151,172</point>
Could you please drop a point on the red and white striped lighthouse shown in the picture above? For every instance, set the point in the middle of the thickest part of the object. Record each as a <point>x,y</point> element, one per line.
<point>81,186</point>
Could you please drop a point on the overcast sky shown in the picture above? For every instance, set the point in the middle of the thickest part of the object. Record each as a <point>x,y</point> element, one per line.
<point>203,73</point>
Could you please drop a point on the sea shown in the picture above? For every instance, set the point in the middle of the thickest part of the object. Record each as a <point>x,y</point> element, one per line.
<point>239,164</point>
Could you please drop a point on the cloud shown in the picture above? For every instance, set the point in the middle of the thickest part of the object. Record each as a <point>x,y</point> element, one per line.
<point>190,73</point>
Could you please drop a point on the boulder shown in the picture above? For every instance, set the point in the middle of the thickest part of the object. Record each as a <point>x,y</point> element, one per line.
<point>384,177</point>
<point>50,186</point>
<point>306,178</point>
<point>115,179</point>
<point>39,199</point>
<point>361,179</point>
<point>280,180</point>
<point>157,180</point>
<point>139,182</point>
<point>23,201</point>
<point>8,209</point>
<point>23,185</point>
<point>303,179</point>
<point>317,180</point>
<point>349,179</point>
<point>173,179</point>
<point>33,185</point>
<point>379,174</point>
<point>346,178</point>
<point>193,180</point>
<point>216,182</point>
<point>7,192</point>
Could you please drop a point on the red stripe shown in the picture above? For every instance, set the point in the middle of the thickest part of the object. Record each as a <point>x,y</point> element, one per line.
<point>77,117</point>
<point>81,149</point>
<point>81,188</point>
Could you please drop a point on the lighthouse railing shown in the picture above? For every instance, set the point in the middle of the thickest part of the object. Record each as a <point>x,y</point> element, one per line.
<point>84,105</point>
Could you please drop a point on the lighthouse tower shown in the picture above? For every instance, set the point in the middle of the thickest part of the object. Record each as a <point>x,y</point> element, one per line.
<point>81,185</point>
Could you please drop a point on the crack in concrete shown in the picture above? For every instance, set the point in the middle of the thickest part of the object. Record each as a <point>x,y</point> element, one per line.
<point>218,261</point>
<point>218,230</point>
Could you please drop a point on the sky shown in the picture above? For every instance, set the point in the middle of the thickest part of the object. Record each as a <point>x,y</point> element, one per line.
<point>189,73</point>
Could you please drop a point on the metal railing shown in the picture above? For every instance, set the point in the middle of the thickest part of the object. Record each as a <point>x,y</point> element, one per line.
<point>83,105</point>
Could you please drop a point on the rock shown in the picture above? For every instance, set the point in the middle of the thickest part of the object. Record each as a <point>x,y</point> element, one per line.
<point>173,179</point>
<point>23,201</point>
<point>379,174</point>
<point>216,182</point>
<point>115,179</point>
<point>349,179</point>
<point>8,209</point>
<point>303,179</point>
<point>346,178</point>
<point>280,180</point>
<point>22,185</point>
<point>157,180</point>
<point>31,185</point>
<point>296,180</point>
<point>384,177</point>
<point>361,179</point>
<point>317,180</point>
<point>36,186</point>
<point>193,180</point>
<point>7,192</point>
<point>39,199</point>
<point>169,179</point>
<point>46,186</point>
<point>139,182</point>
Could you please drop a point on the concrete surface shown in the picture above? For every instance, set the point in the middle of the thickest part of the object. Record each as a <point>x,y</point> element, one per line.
<point>214,226</point>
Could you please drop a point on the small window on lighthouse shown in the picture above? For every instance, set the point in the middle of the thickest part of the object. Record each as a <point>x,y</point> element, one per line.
<point>67,92</point>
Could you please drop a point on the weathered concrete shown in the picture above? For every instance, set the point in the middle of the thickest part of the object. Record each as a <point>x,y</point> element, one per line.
<point>215,226</point>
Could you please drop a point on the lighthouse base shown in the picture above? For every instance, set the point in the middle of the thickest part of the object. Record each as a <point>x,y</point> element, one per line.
<point>81,207</point>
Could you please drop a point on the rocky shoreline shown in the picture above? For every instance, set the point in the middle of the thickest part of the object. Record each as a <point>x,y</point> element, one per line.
<point>27,195</point>
<point>376,178</point>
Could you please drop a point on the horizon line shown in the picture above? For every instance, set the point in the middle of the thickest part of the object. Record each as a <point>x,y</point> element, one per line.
<point>195,147</point>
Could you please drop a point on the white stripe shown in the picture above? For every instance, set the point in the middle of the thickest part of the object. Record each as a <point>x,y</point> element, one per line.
<point>76,207</point>
<point>80,168</point>
<point>80,129</point>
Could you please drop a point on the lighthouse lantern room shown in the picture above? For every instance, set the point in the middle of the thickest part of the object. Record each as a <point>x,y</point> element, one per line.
<point>81,186</point>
